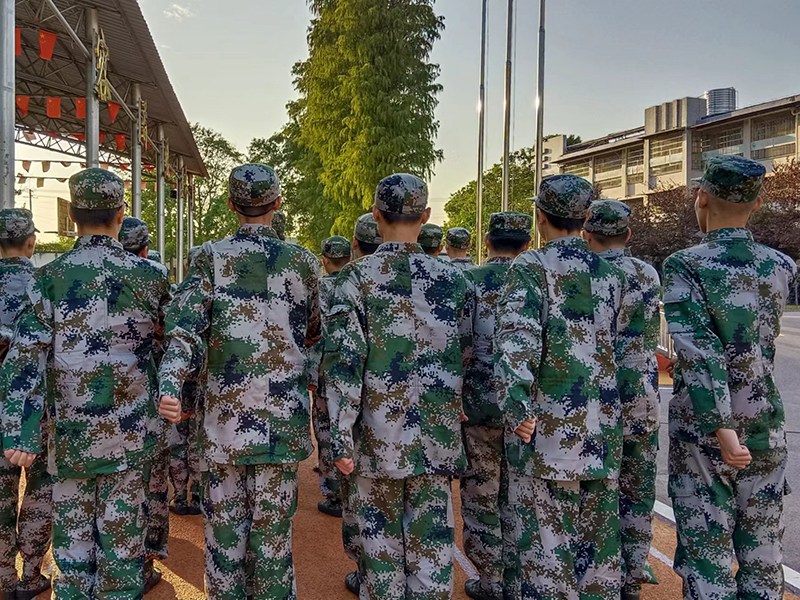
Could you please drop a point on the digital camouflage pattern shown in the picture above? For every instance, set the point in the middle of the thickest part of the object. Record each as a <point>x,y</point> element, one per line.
<point>733,178</point>
<point>462,262</point>
<point>184,461</point>
<point>366,230</point>
<point>156,476</point>
<point>16,223</point>
<point>407,536</point>
<point>96,189</point>
<point>458,237</point>
<point>723,300</point>
<point>155,256</point>
<point>100,557</point>
<point>251,305</point>
<point>565,294</point>
<point>510,223</point>
<point>336,247</point>
<point>718,510</point>
<point>248,513</point>
<point>134,234</point>
<point>398,336</point>
<point>608,217</point>
<point>402,194</point>
<point>90,324</point>
<point>279,224</point>
<point>567,196</point>
<point>430,237</point>
<point>567,536</point>
<point>254,185</point>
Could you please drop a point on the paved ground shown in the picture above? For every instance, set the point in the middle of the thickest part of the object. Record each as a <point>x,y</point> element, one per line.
<point>787,375</point>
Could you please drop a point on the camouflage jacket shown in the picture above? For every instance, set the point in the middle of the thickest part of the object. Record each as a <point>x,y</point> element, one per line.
<point>251,305</point>
<point>90,327</point>
<point>399,333</point>
<point>15,276</point>
<point>638,373</point>
<point>326,287</point>
<point>480,388</point>
<point>464,263</point>
<point>724,300</point>
<point>556,360</point>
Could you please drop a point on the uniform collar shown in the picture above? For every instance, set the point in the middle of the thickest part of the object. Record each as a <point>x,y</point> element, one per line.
<point>729,233</point>
<point>257,229</point>
<point>612,254</point>
<point>460,259</point>
<point>399,247</point>
<point>86,241</point>
<point>499,260</point>
<point>17,260</point>
<point>569,240</point>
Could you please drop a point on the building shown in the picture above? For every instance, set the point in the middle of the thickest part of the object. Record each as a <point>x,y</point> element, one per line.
<point>678,137</point>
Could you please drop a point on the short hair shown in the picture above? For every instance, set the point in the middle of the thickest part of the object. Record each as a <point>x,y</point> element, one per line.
<point>564,223</point>
<point>609,240</point>
<point>432,251</point>
<point>366,248</point>
<point>395,218</point>
<point>509,243</point>
<point>16,243</point>
<point>253,211</point>
<point>340,262</point>
<point>94,217</point>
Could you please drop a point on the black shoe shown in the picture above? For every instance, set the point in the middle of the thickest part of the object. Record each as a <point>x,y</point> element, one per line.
<point>329,507</point>
<point>194,506</point>
<point>317,470</point>
<point>151,576</point>
<point>475,590</point>
<point>27,590</point>
<point>631,594</point>
<point>352,581</point>
<point>178,506</point>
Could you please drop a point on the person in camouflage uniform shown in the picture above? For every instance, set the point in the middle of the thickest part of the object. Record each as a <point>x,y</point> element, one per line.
<point>155,256</point>
<point>399,331</point>
<point>366,237</point>
<point>336,254</point>
<point>457,243</point>
<point>251,308</point>
<point>134,235</point>
<point>430,238</point>
<point>484,507</point>
<point>27,528</point>
<point>723,300</point>
<point>90,326</point>
<point>556,344</point>
<point>279,225</point>
<point>607,232</point>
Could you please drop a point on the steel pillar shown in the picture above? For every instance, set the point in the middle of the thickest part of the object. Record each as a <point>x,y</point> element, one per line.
<point>161,184</point>
<point>539,116</point>
<point>136,154</point>
<point>179,229</point>
<point>481,136</point>
<point>190,212</point>
<point>92,102</point>
<point>7,100</point>
<point>507,106</point>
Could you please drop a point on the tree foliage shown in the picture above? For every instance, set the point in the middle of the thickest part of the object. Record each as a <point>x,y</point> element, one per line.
<point>367,98</point>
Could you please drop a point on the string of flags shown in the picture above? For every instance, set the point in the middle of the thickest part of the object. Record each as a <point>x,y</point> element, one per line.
<point>47,43</point>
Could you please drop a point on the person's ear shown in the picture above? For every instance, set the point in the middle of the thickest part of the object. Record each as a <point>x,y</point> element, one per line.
<point>628,237</point>
<point>230,205</point>
<point>279,203</point>
<point>426,215</point>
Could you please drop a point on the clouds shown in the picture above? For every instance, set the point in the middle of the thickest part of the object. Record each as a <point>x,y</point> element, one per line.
<point>178,12</point>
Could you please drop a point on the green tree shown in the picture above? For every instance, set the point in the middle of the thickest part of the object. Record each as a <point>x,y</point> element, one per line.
<point>367,97</point>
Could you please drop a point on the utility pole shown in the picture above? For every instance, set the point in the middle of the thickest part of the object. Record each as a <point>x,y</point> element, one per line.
<point>539,115</point>
<point>507,105</point>
<point>481,135</point>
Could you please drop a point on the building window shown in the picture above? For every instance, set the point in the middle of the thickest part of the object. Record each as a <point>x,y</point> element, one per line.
<point>635,157</point>
<point>773,137</point>
<point>581,169</point>
<point>774,152</point>
<point>666,147</point>
<point>609,184</point>
<point>715,142</point>
<point>772,127</point>
<point>666,169</point>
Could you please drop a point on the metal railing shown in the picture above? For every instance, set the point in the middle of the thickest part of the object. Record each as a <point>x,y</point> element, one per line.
<point>664,338</point>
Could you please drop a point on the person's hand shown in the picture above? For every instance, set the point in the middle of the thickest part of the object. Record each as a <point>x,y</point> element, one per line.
<point>733,453</point>
<point>671,367</point>
<point>525,430</point>
<point>170,409</point>
<point>463,418</point>
<point>18,458</point>
<point>312,387</point>
<point>345,465</point>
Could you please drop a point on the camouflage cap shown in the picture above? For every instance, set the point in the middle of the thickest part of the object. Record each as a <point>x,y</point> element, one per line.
<point>430,236</point>
<point>254,184</point>
<point>608,217</point>
<point>154,255</point>
<point>134,234</point>
<point>510,223</point>
<point>96,189</point>
<point>402,194</point>
<point>16,223</point>
<point>567,196</point>
<point>336,247</point>
<point>366,230</point>
<point>279,224</point>
<point>733,178</point>
<point>458,237</point>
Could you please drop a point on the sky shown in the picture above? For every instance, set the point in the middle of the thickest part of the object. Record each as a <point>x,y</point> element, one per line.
<point>606,61</point>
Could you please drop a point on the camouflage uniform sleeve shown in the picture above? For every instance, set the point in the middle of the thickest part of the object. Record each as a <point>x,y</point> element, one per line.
<point>187,324</point>
<point>518,342</point>
<point>344,362</point>
<point>22,372</point>
<point>314,315</point>
<point>628,345</point>
<point>701,356</point>
<point>465,325</point>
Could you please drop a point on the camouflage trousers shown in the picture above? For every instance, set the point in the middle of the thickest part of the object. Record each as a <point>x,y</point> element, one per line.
<point>406,534</point>
<point>329,481</point>
<point>350,540</point>
<point>488,519</point>
<point>157,506</point>
<point>637,496</point>
<point>248,513</point>
<point>27,528</point>
<point>184,461</point>
<point>567,536</point>
<point>722,513</point>
<point>98,536</point>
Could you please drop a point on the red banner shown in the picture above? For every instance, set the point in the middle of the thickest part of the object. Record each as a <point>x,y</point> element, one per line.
<point>80,108</point>
<point>54,107</point>
<point>120,140</point>
<point>47,43</point>
<point>113,111</point>
<point>22,104</point>
<point>17,41</point>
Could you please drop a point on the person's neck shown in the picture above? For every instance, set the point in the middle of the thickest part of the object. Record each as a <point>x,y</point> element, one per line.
<point>620,247</point>
<point>495,254</point>
<point>559,234</point>
<point>17,253</point>
<point>453,253</point>
<point>263,220</point>
<point>715,222</point>
<point>111,231</point>
<point>401,233</point>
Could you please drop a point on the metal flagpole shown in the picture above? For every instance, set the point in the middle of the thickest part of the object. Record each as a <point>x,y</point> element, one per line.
<point>92,101</point>
<point>481,135</point>
<point>507,105</point>
<point>539,114</point>
<point>136,154</point>
<point>161,191</point>
<point>181,188</point>
<point>7,99</point>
